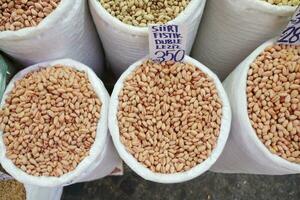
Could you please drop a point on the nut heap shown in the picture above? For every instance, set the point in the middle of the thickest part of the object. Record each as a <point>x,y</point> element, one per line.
<point>12,190</point>
<point>49,121</point>
<point>18,14</point>
<point>284,2</point>
<point>169,116</point>
<point>144,12</point>
<point>273,90</point>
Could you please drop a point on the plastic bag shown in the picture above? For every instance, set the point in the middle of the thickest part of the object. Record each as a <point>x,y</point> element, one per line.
<point>139,168</point>
<point>102,158</point>
<point>232,29</point>
<point>244,152</point>
<point>3,71</point>
<point>125,44</point>
<point>68,32</point>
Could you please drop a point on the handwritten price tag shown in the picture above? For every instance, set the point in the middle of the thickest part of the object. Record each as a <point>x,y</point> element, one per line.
<point>291,35</point>
<point>167,42</point>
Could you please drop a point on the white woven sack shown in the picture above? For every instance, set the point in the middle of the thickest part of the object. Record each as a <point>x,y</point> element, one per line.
<point>68,32</point>
<point>244,152</point>
<point>43,193</point>
<point>139,168</point>
<point>124,44</point>
<point>232,29</point>
<point>102,158</point>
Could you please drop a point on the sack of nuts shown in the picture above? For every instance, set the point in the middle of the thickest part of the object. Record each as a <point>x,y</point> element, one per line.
<point>170,121</point>
<point>33,31</point>
<point>264,92</point>
<point>11,189</point>
<point>122,26</point>
<point>232,29</point>
<point>54,126</point>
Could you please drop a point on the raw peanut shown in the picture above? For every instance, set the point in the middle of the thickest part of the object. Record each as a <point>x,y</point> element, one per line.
<point>144,12</point>
<point>18,14</point>
<point>45,134</point>
<point>273,93</point>
<point>169,116</point>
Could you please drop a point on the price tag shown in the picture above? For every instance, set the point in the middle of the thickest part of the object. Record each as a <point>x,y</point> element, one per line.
<point>291,34</point>
<point>167,42</point>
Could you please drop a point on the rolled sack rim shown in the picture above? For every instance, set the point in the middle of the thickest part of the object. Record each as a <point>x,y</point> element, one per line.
<point>244,110</point>
<point>115,23</point>
<point>96,149</point>
<point>139,168</point>
<point>55,17</point>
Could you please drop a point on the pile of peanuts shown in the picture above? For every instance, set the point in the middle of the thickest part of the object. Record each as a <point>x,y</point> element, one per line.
<point>273,93</point>
<point>49,121</point>
<point>12,190</point>
<point>144,12</point>
<point>169,116</point>
<point>18,14</point>
<point>284,2</point>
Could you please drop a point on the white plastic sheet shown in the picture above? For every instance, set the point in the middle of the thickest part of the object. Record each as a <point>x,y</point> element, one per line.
<point>124,44</point>
<point>232,29</point>
<point>139,168</point>
<point>68,32</point>
<point>101,160</point>
<point>244,152</point>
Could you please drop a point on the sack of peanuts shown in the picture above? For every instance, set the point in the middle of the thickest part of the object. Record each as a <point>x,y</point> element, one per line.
<point>231,30</point>
<point>33,31</point>
<point>264,91</point>
<point>10,188</point>
<point>53,126</point>
<point>122,26</point>
<point>170,121</point>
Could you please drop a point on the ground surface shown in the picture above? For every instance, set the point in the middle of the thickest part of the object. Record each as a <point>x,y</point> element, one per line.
<point>209,186</point>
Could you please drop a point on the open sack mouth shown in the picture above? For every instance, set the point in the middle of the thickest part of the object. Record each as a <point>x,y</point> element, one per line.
<point>273,93</point>
<point>167,120</point>
<point>141,14</point>
<point>282,2</point>
<point>16,15</point>
<point>51,121</point>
